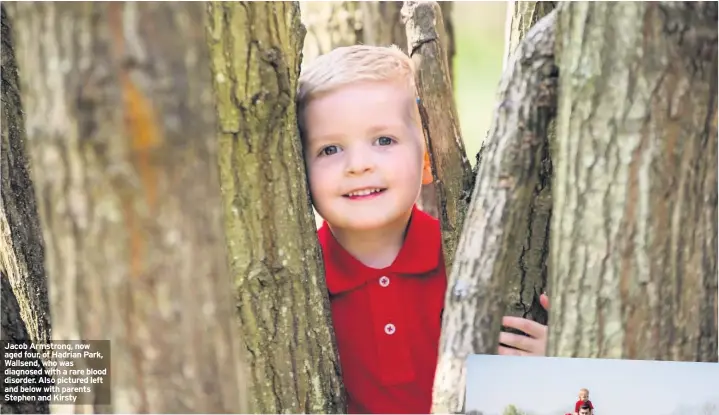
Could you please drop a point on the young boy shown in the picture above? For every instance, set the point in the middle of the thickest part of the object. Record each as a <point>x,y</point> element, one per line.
<point>366,161</point>
<point>583,401</point>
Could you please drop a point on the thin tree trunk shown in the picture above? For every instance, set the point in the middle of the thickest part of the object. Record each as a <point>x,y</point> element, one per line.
<point>496,218</point>
<point>448,41</point>
<point>25,307</point>
<point>634,242</point>
<point>428,200</point>
<point>120,128</point>
<point>528,278</point>
<point>275,256</point>
<point>450,166</point>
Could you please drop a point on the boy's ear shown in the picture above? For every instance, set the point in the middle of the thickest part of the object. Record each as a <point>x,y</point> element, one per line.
<point>427,170</point>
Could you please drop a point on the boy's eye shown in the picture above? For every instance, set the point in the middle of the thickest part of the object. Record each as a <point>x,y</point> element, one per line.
<point>384,141</point>
<point>329,150</point>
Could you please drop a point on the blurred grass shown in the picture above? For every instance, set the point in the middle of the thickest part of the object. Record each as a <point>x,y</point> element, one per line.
<point>479,38</point>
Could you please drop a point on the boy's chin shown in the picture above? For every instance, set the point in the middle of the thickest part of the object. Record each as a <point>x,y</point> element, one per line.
<point>367,222</point>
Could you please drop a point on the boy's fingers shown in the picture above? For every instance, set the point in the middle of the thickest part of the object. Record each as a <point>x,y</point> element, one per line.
<point>518,341</point>
<point>544,301</point>
<point>507,351</point>
<point>524,325</point>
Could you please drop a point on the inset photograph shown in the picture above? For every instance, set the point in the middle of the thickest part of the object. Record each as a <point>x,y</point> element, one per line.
<point>513,385</point>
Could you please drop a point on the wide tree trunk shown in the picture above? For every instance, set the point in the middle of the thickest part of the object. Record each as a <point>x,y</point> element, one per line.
<point>634,235</point>
<point>528,278</point>
<point>25,307</point>
<point>275,256</point>
<point>507,177</point>
<point>121,133</point>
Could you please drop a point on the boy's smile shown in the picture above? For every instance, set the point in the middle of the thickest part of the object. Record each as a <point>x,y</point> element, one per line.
<point>364,155</point>
<point>364,193</point>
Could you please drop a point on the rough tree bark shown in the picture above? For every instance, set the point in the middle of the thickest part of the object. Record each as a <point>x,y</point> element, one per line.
<point>447,8</point>
<point>22,250</point>
<point>528,278</point>
<point>275,256</point>
<point>120,129</point>
<point>450,166</point>
<point>428,200</point>
<point>521,16</point>
<point>497,215</point>
<point>634,242</point>
<point>25,307</point>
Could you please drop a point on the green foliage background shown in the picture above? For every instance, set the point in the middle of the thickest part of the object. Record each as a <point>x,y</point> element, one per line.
<point>479,37</point>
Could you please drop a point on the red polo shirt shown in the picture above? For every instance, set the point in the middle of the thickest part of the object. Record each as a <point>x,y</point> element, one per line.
<point>387,321</point>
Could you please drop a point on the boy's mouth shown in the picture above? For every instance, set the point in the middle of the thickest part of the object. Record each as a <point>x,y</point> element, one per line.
<point>364,193</point>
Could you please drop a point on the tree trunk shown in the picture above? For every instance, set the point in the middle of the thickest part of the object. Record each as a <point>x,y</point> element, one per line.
<point>275,256</point>
<point>506,182</point>
<point>25,308</point>
<point>448,42</point>
<point>450,166</point>
<point>634,242</point>
<point>428,200</point>
<point>521,16</point>
<point>528,278</point>
<point>22,252</point>
<point>120,128</point>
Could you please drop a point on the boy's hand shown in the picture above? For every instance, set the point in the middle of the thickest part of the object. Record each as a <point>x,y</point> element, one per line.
<point>535,344</point>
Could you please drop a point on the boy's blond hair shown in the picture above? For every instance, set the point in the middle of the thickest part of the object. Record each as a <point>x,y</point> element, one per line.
<point>346,65</point>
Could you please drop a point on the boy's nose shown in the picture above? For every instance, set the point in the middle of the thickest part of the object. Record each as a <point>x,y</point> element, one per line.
<point>359,162</point>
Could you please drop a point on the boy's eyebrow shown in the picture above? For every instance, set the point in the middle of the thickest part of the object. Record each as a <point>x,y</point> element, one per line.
<point>315,140</point>
<point>383,127</point>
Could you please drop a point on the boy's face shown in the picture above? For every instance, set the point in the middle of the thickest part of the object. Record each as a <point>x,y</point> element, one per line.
<point>360,139</point>
<point>583,395</point>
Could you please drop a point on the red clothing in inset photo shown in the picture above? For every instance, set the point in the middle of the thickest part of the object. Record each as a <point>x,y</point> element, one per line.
<point>579,405</point>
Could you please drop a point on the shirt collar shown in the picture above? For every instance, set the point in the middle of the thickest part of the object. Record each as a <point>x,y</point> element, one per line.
<point>420,254</point>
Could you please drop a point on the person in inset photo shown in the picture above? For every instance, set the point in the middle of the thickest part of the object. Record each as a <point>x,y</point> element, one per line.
<point>583,402</point>
<point>586,409</point>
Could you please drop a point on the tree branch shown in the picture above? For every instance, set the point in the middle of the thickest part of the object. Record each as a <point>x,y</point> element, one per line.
<point>496,219</point>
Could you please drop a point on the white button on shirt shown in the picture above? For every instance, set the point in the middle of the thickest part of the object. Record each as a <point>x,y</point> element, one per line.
<point>384,281</point>
<point>389,329</point>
